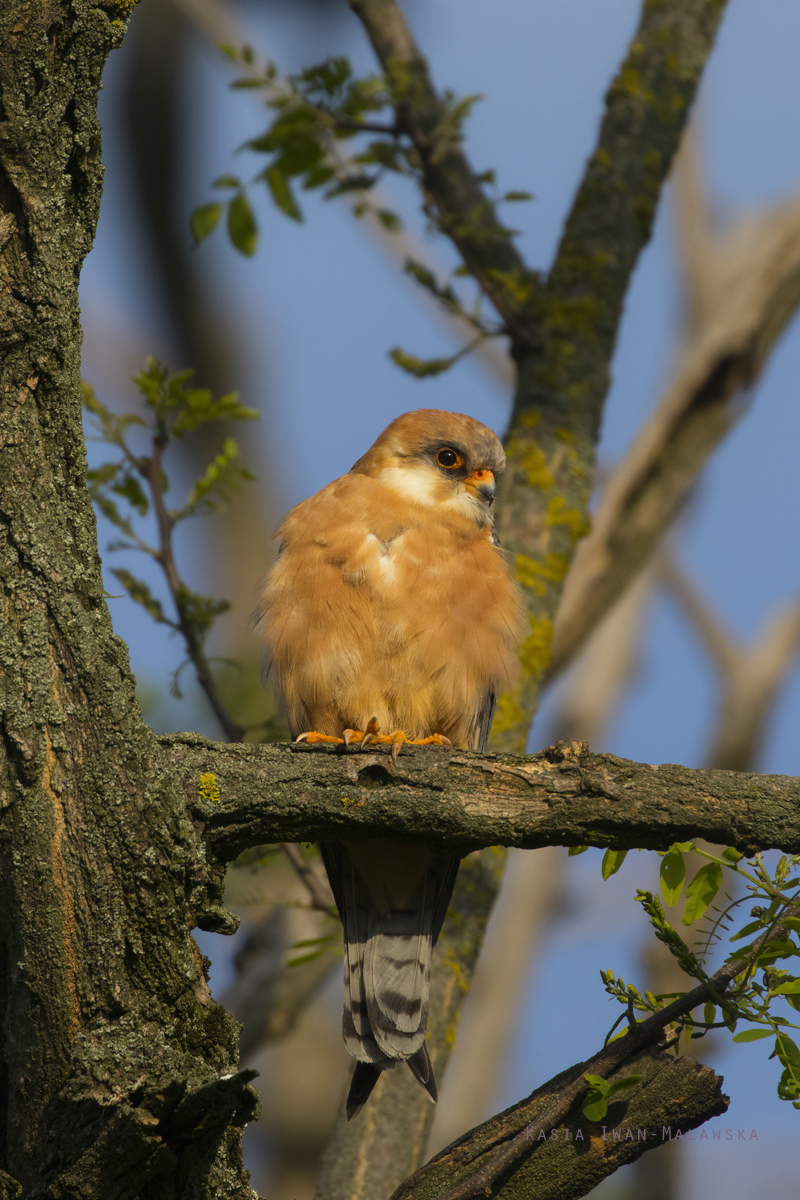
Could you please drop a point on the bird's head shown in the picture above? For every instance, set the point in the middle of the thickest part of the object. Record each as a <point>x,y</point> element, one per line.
<point>438,459</point>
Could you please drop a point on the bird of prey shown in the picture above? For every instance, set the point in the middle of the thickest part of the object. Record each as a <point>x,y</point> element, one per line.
<point>390,616</point>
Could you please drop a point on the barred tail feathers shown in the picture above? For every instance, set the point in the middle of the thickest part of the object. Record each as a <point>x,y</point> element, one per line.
<point>387,965</point>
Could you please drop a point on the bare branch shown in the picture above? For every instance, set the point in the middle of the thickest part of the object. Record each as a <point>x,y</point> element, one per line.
<point>317,887</point>
<point>563,380</point>
<point>751,676</point>
<point>647,490</point>
<point>466,213</point>
<point>562,796</point>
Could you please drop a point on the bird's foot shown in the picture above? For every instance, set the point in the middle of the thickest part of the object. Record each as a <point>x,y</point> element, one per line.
<point>397,739</point>
<point>372,734</point>
<point>312,737</point>
<point>348,737</point>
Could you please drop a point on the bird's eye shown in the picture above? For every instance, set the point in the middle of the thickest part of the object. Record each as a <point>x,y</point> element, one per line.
<point>449,459</point>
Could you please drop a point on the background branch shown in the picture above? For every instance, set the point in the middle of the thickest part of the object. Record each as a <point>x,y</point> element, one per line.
<point>755,299</point>
<point>564,376</point>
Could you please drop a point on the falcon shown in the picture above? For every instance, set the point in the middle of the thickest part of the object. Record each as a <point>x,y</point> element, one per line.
<point>390,617</point>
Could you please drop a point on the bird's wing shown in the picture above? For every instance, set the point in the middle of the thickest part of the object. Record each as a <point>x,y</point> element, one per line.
<point>483,721</point>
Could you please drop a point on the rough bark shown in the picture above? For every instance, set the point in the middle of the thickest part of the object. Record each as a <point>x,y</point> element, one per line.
<point>568,1161</point>
<point>120,1069</point>
<point>562,796</point>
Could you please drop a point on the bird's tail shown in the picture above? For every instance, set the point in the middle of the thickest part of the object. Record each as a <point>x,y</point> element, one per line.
<point>387,967</point>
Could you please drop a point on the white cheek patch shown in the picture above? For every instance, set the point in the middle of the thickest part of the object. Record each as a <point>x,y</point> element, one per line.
<point>469,506</point>
<point>420,485</point>
<point>423,486</point>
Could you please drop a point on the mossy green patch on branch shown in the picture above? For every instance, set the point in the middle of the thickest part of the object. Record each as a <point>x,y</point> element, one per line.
<point>534,653</point>
<point>576,521</point>
<point>533,575</point>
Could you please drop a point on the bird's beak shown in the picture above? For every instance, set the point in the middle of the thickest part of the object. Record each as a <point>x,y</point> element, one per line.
<point>482,484</point>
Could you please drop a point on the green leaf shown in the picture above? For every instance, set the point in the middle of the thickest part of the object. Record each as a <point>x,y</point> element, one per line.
<point>518,196</point>
<point>105,473</point>
<point>213,490</point>
<point>621,1085</point>
<point>130,488</point>
<point>672,875</point>
<point>732,855</point>
<point>701,891</point>
<point>421,367</point>
<point>748,929</point>
<point>204,220</point>
<point>612,861</point>
<point>776,948</point>
<point>597,1083</point>
<point>242,228</point>
<point>389,220</point>
<point>246,81</point>
<point>304,958</point>
<point>226,181</point>
<point>751,1035</point>
<point>199,612</point>
<point>141,594</point>
<point>317,177</point>
<point>594,1107</point>
<point>575,850</point>
<point>791,986</point>
<point>425,278</point>
<point>282,193</point>
<point>792,923</point>
<point>709,1012</point>
<point>787,1051</point>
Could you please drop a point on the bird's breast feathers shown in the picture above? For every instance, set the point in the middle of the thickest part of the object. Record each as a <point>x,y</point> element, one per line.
<point>374,595</point>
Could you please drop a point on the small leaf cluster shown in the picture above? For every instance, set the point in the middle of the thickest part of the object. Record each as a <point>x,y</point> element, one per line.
<point>136,479</point>
<point>771,937</point>
<point>338,134</point>
<point>595,1104</point>
<point>313,112</point>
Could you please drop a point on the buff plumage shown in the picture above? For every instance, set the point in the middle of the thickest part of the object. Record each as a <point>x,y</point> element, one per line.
<point>390,603</point>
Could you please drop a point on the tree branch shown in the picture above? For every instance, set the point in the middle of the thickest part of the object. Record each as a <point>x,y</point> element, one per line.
<point>676,1093</point>
<point>572,1086</point>
<point>649,487</point>
<point>562,796</point>
<point>563,380</point>
<point>466,214</point>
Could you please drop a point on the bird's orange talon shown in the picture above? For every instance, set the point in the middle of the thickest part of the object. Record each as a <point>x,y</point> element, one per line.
<point>397,740</point>
<point>372,734</point>
<point>312,737</point>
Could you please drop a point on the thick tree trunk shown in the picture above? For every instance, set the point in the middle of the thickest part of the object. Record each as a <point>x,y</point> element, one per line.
<point>114,1054</point>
